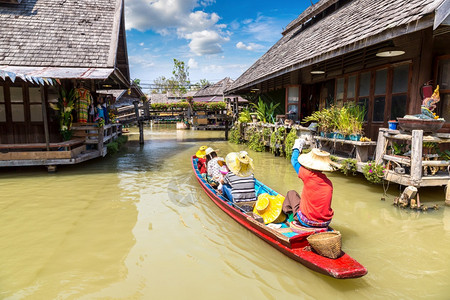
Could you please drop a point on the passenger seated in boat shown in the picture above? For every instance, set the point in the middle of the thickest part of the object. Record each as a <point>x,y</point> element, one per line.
<point>313,208</point>
<point>239,183</point>
<point>213,164</point>
<point>201,162</point>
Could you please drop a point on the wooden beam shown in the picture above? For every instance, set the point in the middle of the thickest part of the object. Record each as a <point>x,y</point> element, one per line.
<point>416,155</point>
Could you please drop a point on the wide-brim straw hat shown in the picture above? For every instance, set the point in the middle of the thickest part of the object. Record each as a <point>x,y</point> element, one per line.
<point>201,153</point>
<point>240,163</point>
<point>270,208</point>
<point>210,150</point>
<point>318,160</point>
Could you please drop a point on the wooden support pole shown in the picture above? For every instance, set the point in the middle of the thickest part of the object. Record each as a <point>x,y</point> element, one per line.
<point>447,194</point>
<point>381,145</point>
<point>140,123</point>
<point>226,129</point>
<point>416,156</point>
<point>44,117</point>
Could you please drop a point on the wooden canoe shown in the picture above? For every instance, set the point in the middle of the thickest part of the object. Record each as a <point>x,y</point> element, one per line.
<point>292,244</point>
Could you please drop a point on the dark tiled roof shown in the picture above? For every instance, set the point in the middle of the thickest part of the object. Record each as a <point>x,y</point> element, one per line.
<point>356,25</point>
<point>60,33</point>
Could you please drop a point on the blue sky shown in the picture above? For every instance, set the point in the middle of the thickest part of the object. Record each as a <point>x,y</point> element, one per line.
<point>215,38</point>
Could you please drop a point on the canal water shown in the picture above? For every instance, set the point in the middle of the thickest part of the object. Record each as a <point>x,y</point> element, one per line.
<point>137,225</point>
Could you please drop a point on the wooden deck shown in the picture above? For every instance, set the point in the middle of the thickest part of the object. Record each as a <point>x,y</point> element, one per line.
<point>88,143</point>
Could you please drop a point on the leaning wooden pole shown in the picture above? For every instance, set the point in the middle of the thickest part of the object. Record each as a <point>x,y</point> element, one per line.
<point>140,122</point>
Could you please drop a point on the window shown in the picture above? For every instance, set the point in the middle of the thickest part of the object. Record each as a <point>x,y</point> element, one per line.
<point>364,91</point>
<point>35,104</point>
<point>292,99</point>
<point>340,92</point>
<point>380,95</point>
<point>17,106</point>
<point>293,95</point>
<point>2,106</point>
<point>399,91</point>
<point>351,88</point>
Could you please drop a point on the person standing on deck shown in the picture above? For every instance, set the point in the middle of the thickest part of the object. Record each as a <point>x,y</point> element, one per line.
<point>313,208</point>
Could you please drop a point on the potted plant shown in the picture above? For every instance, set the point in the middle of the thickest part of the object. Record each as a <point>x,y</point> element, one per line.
<point>65,105</point>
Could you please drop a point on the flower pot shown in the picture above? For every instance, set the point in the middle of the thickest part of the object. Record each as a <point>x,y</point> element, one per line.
<point>330,135</point>
<point>393,125</point>
<point>354,137</point>
<point>339,136</point>
<point>322,134</point>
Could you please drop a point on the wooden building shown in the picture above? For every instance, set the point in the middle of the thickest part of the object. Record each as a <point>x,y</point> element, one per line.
<point>376,53</point>
<point>46,45</point>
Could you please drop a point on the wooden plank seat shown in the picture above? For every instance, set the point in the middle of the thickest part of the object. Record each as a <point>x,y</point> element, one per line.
<point>68,145</point>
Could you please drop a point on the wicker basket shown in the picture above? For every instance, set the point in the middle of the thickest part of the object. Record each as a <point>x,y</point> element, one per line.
<point>326,244</point>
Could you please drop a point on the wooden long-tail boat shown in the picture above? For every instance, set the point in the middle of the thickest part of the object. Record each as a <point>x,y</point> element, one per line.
<point>292,244</point>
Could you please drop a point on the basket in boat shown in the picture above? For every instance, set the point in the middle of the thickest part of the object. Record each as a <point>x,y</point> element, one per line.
<point>326,244</point>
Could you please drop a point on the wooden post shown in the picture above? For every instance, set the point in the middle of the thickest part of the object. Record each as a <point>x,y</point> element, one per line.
<point>416,156</point>
<point>140,123</point>
<point>100,141</point>
<point>447,194</point>
<point>381,145</point>
<point>44,117</point>
<point>226,129</point>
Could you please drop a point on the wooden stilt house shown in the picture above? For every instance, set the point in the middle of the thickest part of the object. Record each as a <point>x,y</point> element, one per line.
<point>46,46</point>
<point>378,54</point>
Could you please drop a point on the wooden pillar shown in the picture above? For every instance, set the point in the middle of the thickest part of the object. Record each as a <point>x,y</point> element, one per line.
<point>139,121</point>
<point>416,155</point>
<point>100,140</point>
<point>447,194</point>
<point>44,117</point>
<point>422,70</point>
<point>381,145</point>
<point>226,129</point>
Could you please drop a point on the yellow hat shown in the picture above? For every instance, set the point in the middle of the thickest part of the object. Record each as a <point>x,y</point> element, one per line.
<point>240,163</point>
<point>201,152</point>
<point>317,160</point>
<point>270,208</point>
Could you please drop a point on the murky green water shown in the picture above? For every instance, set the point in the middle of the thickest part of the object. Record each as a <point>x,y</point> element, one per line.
<point>138,226</point>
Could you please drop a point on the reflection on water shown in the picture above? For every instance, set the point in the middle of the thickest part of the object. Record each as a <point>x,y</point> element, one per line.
<point>138,226</point>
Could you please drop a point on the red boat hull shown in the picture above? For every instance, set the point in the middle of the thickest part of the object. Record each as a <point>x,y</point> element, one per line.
<point>294,247</point>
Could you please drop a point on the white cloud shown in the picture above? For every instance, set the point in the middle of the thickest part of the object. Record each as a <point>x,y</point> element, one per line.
<point>141,62</point>
<point>249,47</point>
<point>141,44</point>
<point>192,63</point>
<point>179,17</point>
<point>206,42</point>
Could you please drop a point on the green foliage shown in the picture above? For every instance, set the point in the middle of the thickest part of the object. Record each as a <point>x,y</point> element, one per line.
<point>348,166</point>
<point>277,140</point>
<point>265,112</point>
<point>112,147</point>
<point>289,143</point>
<point>122,140</point>
<point>398,149</point>
<point>235,134</point>
<point>347,120</point>
<point>266,132</point>
<point>214,106</point>
<point>254,139</point>
<point>65,105</point>
<point>244,116</point>
<point>374,172</point>
<point>180,76</point>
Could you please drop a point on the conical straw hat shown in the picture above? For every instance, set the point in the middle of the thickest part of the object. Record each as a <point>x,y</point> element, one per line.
<point>240,163</point>
<point>317,160</point>
<point>270,208</point>
<point>201,152</point>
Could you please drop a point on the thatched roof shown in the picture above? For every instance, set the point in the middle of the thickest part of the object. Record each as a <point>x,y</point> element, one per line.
<point>320,33</point>
<point>63,34</point>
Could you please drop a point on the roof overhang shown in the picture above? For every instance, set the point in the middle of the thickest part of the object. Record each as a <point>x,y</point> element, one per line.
<point>66,73</point>
<point>442,14</point>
